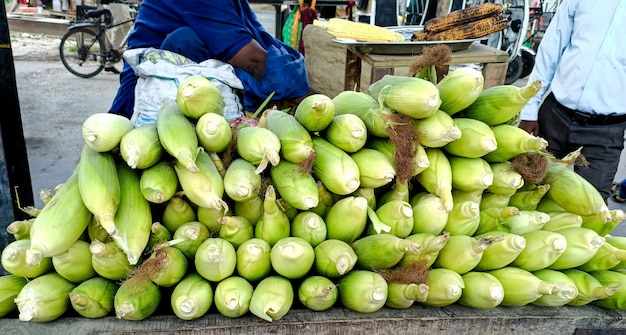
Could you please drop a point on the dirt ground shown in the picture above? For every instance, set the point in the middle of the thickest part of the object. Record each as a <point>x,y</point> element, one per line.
<point>53,105</point>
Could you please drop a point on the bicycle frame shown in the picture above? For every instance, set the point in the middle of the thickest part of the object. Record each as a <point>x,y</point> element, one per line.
<point>101,30</point>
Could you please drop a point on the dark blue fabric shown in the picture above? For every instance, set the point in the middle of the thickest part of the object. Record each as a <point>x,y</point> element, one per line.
<point>213,29</point>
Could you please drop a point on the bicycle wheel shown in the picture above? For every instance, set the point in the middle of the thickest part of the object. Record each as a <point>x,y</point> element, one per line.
<point>514,70</point>
<point>82,53</point>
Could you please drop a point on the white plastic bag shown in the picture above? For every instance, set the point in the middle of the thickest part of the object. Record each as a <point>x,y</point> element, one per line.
<point>160,72</point>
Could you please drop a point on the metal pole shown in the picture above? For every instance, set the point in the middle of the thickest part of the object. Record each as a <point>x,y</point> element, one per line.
<point>15,180</point>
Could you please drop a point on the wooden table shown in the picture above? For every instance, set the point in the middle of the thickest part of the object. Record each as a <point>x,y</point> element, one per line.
<point>494,64</point>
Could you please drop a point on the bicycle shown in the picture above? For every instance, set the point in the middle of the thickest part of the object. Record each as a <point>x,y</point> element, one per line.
<point>86,49</point>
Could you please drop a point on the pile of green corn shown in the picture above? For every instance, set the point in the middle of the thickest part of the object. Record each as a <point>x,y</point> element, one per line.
<point>409,193</point>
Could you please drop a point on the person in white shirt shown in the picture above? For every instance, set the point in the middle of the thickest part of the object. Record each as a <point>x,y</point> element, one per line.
<point>582,66</point>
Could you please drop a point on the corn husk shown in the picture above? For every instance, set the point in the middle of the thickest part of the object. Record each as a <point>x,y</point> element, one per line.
<point>197,95</point>
<point>317,293</point>
<point>109,261</point>
<point>20,229</point>
<point>470,174</point>
<point>44,299</point>
<point>236,229</point>
<point>347,218</point>
<point>617,300</point>
<point>541,250</point>
<point>437,178</point>
<point>335,168</point>
<point>525,222</point>
<point>272,298</point>
<point>437,130</point>
<point>93,298</point>
<point>420,159</point>
<point>477,139</point>
<point>14,260</point>
<point>366,108</point>
<point>464,218</point>
<point>564,291</point>
<point>506,181</point>
<point>429,213</point>
<point>462,253</point>
<point>481,290</point>
<point>363,291</point>
<point>177,212</point>
<point>192,297</point>
<point>315,112</point>
<point>189,236</point>
<point>334,258</point>
<point>295,139</point>
<point>177,135</point>
<point>241,182</point>
<point>560,220</point>
<point>205,188</point>
<point>75,263</point>
<point>382,251</point>
<point>589,288</point>
<point>430,245</point>
<point>571,191</point>
<point>292,257</point>
<point>500,254</point>
<point>444,287</point>
<point>209,217</point>
<point>466,79</point>
<point>259,146</point>
<point>10,287</point>
<point>274,223</point>
<point>521,287</point>
<point>158,234</point>
<point>493,218</point>
<point>62,220</point>
<point>141,148</point>
<point>215,259</point>
<point>253,259</point>
<point>414,97</point>
<point>528,200</point>
<point>309,226</point>
<point>513,141</point>
<point>136,300</point>
<point>296,187</point>
<point>133,217</point>
<point>348,132</point>
<point>102,132</point>
<point>232,296</point>
<point>501,103</point>
<point>582,245</point>
<point>214,133</point>
<point>159,182</point>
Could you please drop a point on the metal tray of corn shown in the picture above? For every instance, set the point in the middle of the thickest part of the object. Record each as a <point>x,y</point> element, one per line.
<point>407,47</point>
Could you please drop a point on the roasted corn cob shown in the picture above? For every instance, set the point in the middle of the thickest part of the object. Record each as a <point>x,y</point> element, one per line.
<point>461,17</point>
<point>471,30</point>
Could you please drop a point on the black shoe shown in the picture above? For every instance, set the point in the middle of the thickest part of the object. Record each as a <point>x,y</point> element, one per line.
<point>112,69</point>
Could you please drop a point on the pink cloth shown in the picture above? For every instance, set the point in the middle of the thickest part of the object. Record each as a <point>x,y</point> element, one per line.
<point>307,15</point>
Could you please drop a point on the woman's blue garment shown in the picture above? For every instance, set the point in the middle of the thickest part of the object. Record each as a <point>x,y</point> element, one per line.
<point>204,29</point>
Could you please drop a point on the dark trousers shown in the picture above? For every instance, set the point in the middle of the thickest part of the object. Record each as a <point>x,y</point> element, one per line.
<point>602,144</point>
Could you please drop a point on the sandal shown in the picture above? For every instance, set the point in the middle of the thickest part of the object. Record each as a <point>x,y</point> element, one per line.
<point>615,193</point>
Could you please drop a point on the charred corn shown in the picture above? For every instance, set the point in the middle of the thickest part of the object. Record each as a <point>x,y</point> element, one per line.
<point>471,30</point>
<point>463,16</point>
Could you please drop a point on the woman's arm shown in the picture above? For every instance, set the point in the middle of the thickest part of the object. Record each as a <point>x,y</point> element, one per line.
<point>251,58</point>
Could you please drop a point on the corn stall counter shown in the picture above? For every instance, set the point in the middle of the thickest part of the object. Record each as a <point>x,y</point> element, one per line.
<point>494,64</point>
<point>334,67</point>
<point>453,319</point>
